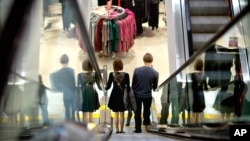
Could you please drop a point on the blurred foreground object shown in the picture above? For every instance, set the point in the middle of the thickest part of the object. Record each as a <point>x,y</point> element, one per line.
<point>67,131</point>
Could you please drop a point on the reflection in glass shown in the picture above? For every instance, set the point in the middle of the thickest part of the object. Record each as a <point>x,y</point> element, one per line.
<point>226,80</point>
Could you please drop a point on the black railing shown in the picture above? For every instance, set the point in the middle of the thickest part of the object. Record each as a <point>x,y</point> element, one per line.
<point>85,38</point>
<point>189,28</point>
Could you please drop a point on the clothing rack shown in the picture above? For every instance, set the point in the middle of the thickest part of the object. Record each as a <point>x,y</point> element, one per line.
<point>121,11</point>
<point>112,31</point>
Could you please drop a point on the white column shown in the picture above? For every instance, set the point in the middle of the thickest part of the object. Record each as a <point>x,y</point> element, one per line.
<point>171,35</point>
<point>175,34</point>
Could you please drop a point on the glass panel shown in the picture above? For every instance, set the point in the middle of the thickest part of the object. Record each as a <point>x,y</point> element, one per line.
<point>78,77</point>
<point>32,100</point>
<point>214,87</point>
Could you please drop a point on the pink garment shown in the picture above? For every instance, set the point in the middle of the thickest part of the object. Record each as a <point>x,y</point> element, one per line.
<point>98,40</point>
<point>120,35</point>
<point>133,21</point>
<point>127,28</point>
<point>80,41</point>
<point>113,15</point>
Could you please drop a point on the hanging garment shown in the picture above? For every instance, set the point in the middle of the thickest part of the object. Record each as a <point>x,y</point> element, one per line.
<point>126,4</point>
<point>139,12</point>
<point>102,2</point>
<point>114,36</point>
<point>154,14</point>
<point>113,33</point>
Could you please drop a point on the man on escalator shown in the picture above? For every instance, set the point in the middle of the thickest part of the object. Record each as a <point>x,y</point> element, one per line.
<point>145,79</point>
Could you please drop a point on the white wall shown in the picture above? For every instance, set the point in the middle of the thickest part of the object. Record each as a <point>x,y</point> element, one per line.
<point>175,34</point>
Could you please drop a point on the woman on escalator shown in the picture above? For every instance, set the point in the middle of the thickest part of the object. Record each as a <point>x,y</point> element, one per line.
<point>199,84</point>
<point>87,94</point>
<point>121,83</point>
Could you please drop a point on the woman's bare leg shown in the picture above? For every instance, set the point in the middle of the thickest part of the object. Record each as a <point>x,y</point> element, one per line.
<point>90,117</point>
<point>117,121</point>
<point>85,117</point>
<point>196,117</point>
<point>121,121</point>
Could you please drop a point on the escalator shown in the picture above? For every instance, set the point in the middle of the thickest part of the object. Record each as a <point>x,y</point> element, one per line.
<point>207,17</point>
<point>210,129</point>
<point>217,56</point>
<point>194,23</point>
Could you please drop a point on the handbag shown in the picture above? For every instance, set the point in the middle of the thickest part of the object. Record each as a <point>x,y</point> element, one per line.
<point>229,101</point>
<point>126,98</point>
<point>129,99</point>
<point>132,100</point>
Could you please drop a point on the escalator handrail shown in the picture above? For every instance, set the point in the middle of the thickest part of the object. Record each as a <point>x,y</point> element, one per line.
<point>207,45</point>
<point>29,80</point>
<point>85,38</point>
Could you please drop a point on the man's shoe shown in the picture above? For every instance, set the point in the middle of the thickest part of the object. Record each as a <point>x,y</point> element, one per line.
<point>137,131</point>
<point>126,124</point>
